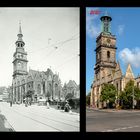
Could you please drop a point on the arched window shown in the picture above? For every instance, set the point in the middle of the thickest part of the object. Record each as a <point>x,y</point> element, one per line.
<point>108,55</point>
<point>56,89</point>
<point>39,89</point>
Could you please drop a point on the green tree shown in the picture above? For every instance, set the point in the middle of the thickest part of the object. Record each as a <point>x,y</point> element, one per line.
<point>69,96</point>
<point>29,93</point>
<point>108,93</point>
<point>126,96</point>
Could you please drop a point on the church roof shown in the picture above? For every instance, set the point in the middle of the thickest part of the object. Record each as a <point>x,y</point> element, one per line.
<point>129,72</point>
<point>35,73</point>
<point>71,83</point>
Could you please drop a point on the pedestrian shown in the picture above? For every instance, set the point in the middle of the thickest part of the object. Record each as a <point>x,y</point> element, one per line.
<point>10,103</point>
<point>67,107</point>
<point>48,106</point>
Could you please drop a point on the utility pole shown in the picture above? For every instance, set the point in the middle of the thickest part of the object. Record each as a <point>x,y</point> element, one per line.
<point>133,97</point>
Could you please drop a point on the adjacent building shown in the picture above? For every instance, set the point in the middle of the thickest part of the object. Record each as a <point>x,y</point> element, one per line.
<point>72,89</point>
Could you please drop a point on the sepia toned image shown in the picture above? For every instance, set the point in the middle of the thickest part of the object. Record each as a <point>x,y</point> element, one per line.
<point>39,78</point>
<point>112,69</point>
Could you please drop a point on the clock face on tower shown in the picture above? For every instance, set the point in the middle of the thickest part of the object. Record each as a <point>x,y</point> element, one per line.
<point>19,64</point>
<point>108,40</point>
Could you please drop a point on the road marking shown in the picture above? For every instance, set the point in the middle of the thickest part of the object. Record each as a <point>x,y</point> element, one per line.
<point>123,128</point>
<point>109,130</point>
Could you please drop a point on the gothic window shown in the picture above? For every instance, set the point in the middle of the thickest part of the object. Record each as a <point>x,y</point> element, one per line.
<point>44,87</point>
<point>56,89</point>
<point>21,45</point>
<point>39,89</point>
<point>18,44</point>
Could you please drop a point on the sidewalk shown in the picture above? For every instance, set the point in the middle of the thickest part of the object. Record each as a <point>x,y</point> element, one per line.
<point>115,110</point>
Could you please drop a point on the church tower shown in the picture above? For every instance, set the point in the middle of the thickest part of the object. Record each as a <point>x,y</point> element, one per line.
<point>20,57</point>
<point>105,50</point>
<point>105,66</point>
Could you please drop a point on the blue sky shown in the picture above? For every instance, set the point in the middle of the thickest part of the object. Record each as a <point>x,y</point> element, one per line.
<point>125,25</point>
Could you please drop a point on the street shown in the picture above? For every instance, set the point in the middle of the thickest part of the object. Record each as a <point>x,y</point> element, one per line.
<point>37,118</point>
<point>112,121</point>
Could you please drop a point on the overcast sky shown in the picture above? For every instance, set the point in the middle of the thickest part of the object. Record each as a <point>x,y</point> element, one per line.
<point>51,37</point>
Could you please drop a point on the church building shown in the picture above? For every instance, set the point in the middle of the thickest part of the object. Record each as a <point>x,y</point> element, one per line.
<point>107,68</point>
<point>42,83</point>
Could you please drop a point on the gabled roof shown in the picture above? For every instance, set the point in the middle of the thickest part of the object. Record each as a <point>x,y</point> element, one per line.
<point>129,72</point>
<point>71,83</point>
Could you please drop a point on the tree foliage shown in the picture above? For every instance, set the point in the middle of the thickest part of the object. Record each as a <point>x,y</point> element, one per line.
<point>108,93</point>
<point>126,96</point>
<point>69,96</point>
<point>29,93</point>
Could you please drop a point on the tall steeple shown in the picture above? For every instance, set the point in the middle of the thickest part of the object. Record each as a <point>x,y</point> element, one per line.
<point>20,42</point>
<point>20,56</point>
<point>20,32</point>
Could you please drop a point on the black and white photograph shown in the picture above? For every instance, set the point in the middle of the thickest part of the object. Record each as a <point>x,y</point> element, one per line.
<point>40,69</point>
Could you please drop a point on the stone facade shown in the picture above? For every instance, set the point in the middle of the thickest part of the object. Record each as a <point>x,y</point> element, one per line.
<point>107,69</point>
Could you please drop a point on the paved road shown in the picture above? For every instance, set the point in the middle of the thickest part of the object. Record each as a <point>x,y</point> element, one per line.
<point>121,121</point>
<point>39,118</point>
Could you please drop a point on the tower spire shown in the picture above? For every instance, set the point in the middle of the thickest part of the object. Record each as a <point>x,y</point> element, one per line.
<point>20,32</point>
<point>20,42</point>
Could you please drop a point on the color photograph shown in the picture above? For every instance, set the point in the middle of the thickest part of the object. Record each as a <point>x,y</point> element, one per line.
<point>112,69</point>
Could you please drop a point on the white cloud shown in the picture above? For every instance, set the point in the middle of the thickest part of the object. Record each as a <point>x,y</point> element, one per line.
<point>121,29</point>
<point>130,56</point>
<point>92,28</point>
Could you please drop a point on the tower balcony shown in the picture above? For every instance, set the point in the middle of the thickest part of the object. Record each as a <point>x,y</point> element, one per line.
<point>21,59</point>
<point>20,72</point>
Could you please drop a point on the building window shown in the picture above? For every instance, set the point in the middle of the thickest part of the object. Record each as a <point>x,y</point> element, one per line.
<point>108,55</point>
<point>39,89</point>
